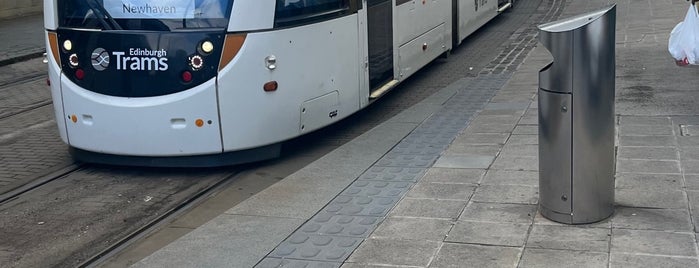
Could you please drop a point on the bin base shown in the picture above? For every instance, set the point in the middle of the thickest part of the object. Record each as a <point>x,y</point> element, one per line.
<point>570,218</point>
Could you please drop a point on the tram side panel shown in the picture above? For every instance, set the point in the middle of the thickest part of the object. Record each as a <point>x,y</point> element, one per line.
<point>316,70</point>
<point>473,14</point>
<point>423,32</point>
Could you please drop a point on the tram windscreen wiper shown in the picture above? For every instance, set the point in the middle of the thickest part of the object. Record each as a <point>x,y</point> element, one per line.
<point>101,14</point>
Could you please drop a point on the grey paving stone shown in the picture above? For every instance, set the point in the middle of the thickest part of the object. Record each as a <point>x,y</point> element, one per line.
<point>603,224</point>
<point>645,120</point>
<point>394,252</point>
<point>653,242</point>
<point>526,130</point>
<point>406,161</point>
<point>650,181</point>
<point>512,194</point>
<point>668,141</point>
<point>418,149</point>
<point>454,175</point>
<point>377,188</point>
<point>529,120</point>
<point>533,110</point>
<point>469,149</point>
<point>316,247</point>
<point>464,255</point>
<point>648,153</point>
<point>430,138</point>
<point>635,261</point>
<point>428,208</point>
<point>482,139</point>
<point>511,177</point>
<point>523,139</point>
<point>518,97</point>
<point>506,162</point>
<point>495,119</point>
<point>497,212</point>
<point>569,238</point>
<point>361,205</point>
<point>489,233</point>
<point>646,130</point>
<point>291,263</point>
<point>651,199</point>
<point>392,174</point>
<point>647,166</point>
<point>691,181</point>
<point>442,191</point>
<point>413,229</point>
<point>690,166</point>
<point>694,206</point>
<point>545,258</point>
<point>362,265</point>
<point>464,161</point>
<point>652,219</point>
<point>518,112</point>
<point>520,150</point>
<point>688,141</point>
<point>689,153</point>
<point>489,128</point>
<point>507,105</point>
<point>339,225</point>
<point>417,113</point>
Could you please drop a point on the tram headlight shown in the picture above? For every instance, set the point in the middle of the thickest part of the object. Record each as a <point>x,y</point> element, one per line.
<point>67,45</point>
<point>207,47</point>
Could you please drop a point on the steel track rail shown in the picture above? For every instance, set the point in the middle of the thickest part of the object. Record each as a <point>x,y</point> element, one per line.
<point>158,222</point>
<point>23,79</point>
<point>40,182</point>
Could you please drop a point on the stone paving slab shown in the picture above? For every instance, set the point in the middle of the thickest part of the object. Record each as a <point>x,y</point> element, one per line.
<point>489,233</point>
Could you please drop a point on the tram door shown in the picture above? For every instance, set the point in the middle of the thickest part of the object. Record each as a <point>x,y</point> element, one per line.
<point>380,40</point>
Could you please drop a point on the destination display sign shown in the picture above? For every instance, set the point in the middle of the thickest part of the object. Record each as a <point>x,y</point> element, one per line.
<point>148,9</point>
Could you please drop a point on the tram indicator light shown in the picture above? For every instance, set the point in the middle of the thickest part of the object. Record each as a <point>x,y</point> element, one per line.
<point>199,122</point>
<point>79,74</point>
<point>186,76</point>
<point>270,86</point>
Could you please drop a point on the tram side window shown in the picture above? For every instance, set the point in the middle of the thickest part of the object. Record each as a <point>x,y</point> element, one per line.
<point>297,12</point>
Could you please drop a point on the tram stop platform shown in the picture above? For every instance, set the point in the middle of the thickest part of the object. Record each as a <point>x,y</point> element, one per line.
<point>453,180</point>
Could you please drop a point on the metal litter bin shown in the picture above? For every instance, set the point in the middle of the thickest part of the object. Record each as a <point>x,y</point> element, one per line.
<point>576,118</point>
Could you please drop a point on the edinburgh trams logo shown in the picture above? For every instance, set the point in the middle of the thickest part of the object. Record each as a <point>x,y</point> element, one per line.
<point>135,59</point>
<point>100,59</point>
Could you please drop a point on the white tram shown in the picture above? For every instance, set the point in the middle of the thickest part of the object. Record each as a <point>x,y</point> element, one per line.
<point>216,82</point>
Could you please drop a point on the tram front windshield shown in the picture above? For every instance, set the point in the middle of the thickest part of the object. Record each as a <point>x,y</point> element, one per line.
<point>148,15</point>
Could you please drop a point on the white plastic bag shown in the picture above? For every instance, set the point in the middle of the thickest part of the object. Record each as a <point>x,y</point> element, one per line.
<point>684,39</point>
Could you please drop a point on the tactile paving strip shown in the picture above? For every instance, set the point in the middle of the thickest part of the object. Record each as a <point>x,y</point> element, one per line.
<point>328,238</point>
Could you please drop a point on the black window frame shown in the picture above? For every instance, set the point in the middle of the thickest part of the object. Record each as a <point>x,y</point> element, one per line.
<point>290,17</point>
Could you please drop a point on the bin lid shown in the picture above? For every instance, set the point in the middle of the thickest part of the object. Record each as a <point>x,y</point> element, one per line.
<point>572,23</point>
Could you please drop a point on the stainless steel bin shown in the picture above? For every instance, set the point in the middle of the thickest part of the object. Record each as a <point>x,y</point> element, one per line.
<point>576,118</point>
